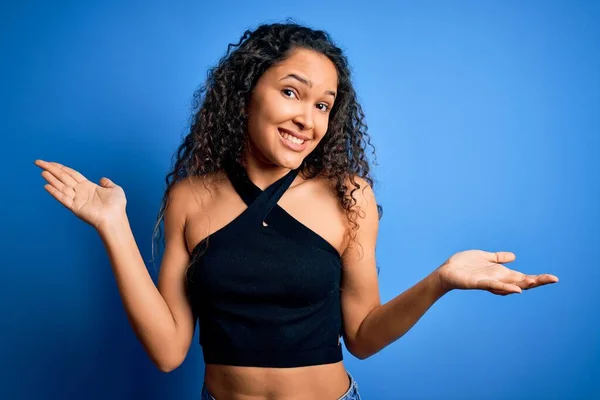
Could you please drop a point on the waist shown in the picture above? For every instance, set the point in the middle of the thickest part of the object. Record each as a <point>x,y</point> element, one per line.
<point>328,381</point>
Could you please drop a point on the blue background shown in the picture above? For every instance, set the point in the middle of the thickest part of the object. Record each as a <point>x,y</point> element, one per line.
<point>486,120</point>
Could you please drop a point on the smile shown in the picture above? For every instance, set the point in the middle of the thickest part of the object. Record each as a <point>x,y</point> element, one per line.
<point>291,138</point>
<point>292,142</point>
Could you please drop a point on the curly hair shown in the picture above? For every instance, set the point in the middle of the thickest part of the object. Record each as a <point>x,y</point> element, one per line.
<point>218,134</point>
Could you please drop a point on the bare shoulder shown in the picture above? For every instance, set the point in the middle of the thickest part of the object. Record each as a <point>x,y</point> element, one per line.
<point>197,187</point>
<point>329,219</point>
<point>356,187</point>
<point>193,194</point>
<point>360,190</point>
<point>193,200</point>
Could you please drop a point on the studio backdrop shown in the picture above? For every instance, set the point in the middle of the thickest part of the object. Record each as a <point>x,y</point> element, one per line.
<point>485,117</point>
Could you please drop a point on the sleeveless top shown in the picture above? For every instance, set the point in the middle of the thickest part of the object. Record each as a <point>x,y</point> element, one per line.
<point>265,288</point>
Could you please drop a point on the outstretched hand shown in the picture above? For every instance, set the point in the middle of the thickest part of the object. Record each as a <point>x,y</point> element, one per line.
<point>477,269</point>
<point>92,203</point>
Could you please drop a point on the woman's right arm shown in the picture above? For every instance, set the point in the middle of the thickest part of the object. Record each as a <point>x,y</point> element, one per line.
<point>161,317</point>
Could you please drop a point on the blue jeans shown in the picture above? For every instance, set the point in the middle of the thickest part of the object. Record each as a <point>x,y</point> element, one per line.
<point>351,393</point>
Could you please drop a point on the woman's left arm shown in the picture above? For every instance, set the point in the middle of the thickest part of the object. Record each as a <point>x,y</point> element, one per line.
<point>370,326</point>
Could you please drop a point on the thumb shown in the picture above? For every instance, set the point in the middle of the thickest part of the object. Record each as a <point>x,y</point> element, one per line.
<point>500,257</point>
<point>107,183</point>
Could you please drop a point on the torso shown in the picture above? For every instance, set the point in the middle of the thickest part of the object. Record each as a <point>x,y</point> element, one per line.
<point>313,204</point>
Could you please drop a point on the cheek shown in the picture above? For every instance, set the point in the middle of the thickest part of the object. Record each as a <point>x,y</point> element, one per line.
<point>272,110</point>
<point>261,125</point>
<point>321,127</point>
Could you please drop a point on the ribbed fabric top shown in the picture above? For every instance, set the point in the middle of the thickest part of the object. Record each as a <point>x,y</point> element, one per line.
<point>266,296</point>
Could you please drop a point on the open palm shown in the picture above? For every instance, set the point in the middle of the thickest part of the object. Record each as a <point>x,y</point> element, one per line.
<point>477,269</point>
<point>94,204</point>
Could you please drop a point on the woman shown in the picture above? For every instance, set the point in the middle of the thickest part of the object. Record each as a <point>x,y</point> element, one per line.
<point>270,226</point>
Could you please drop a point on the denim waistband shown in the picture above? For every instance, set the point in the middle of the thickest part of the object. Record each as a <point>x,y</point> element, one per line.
<point>352,392</point>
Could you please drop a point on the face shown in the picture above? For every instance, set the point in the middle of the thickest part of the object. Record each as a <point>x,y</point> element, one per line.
<point>289,109</point>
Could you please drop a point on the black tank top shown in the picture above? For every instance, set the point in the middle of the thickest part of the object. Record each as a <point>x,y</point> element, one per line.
<point>266,296</point>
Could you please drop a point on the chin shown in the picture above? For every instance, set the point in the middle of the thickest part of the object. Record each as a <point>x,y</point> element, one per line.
<point>292,161</point>
<point>290,164</point>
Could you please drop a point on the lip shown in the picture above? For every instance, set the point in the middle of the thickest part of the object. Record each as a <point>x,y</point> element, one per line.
<point>290,145</point>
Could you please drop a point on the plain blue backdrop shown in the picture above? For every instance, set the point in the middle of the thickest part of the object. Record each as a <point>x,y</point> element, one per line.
<point>486,121</point>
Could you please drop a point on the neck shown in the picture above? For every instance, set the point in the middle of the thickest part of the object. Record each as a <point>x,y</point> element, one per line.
<point>261,171</point>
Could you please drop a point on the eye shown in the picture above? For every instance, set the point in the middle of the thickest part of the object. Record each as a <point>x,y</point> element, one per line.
<point>285,91</point>
<point>325,107</point>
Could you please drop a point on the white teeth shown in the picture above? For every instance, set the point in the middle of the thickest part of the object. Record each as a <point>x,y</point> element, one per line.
<point>291,138</point>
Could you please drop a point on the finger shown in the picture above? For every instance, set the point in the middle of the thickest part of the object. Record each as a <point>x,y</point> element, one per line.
<point>500,257</point>
<point>107,183</point>
<point>544,279</point>
<point>59,171</point>
<point>56,170</point>
<point>69,175</point>
<point>51,179</point>
<point>547,278</point>
<point>490,284</point>
<point>522,280</point>
<point>75,174</point>
<point>60,196</point>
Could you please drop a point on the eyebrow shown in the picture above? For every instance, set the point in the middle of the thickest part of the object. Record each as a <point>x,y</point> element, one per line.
<point>306,82</point>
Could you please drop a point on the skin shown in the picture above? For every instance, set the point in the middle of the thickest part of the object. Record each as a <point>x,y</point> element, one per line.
<point>161,317</point>
<point>281,99</point>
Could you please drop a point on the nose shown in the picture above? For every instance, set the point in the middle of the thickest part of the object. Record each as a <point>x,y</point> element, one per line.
<point>304,118</point>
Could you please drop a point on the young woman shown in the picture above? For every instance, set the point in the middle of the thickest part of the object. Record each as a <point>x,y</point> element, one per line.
<point>270,226</point>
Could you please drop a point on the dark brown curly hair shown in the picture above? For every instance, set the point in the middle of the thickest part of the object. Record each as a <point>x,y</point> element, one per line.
<point>218,136</point>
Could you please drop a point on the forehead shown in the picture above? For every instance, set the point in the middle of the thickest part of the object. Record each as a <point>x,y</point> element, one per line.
<point>316,67</point>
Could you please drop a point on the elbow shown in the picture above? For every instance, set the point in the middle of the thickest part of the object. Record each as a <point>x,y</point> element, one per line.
<point>361,355</point>
<point>359,352</point>
<point>168,364</point>
<point>173,357</point>
<point>167,367</point>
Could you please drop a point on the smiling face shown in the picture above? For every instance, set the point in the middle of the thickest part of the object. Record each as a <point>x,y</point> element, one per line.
<point>294,97</point>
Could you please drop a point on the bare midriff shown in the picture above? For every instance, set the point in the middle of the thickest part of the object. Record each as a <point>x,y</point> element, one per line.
<point>318,382</point>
